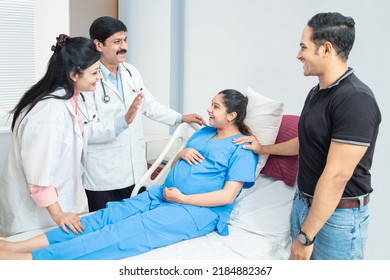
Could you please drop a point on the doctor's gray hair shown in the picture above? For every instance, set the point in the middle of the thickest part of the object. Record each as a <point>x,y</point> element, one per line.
<point>235,101</point>
<point>104,27</point>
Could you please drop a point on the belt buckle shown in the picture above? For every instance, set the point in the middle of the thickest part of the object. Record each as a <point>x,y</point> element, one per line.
<point>305,199</point>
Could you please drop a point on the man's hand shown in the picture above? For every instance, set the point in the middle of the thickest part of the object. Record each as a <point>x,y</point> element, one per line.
<point>254,144</point>
<point>193,118</point>
<point>133,109</point>
<point>300,252</point>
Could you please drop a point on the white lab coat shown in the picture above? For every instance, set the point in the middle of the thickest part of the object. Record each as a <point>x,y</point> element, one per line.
<point>118,162</point>
<point>46,149</point>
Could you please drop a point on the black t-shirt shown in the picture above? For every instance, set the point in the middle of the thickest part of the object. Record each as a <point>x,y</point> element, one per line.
<point>345,112</point>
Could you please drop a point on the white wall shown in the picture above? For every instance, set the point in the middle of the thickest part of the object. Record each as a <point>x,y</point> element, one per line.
<point>149,35</point>
<point>235,44</point>
<point>48,25</point>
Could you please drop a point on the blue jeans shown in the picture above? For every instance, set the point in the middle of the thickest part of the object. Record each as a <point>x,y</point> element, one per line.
<point>343,236</point>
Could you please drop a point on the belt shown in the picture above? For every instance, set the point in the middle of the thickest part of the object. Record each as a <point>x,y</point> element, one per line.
<point>352,202</point>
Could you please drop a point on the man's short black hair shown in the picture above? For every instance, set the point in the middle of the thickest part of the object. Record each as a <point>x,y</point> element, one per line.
<point>104,27</point>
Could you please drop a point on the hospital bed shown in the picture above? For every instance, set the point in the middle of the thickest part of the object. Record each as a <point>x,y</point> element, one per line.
<point>259,225</point>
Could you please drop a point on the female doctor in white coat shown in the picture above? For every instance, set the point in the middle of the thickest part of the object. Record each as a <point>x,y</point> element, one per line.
<point>40,180</point>
<point>116,148</point>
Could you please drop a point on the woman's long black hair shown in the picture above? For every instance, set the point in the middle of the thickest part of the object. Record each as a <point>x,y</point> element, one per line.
<point>235,101</point>
<point>70,55</point>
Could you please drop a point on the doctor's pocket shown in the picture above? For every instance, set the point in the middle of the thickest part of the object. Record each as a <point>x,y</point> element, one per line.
<point>106,158</point>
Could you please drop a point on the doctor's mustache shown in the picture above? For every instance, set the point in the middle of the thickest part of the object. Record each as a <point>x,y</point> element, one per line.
<point>121,52</point>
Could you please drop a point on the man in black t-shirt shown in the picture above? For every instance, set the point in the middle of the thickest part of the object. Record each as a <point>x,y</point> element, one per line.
<point>337,132</point>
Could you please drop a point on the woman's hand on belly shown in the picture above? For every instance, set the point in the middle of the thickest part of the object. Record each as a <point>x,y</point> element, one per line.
<point>191,156</point>
<point>172,194</point>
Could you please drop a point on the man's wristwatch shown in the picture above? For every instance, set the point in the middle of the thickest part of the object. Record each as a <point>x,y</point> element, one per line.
<point>304,239</point>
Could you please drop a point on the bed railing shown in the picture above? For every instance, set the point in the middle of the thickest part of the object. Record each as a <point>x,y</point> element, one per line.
<point>165,159</point>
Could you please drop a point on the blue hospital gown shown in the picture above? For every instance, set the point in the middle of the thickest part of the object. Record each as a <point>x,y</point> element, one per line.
<point>144,222</point>
<point>223,161</point>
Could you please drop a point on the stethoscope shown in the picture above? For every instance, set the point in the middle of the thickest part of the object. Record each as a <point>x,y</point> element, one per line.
<point>106,98</point>
<point>87,117</point>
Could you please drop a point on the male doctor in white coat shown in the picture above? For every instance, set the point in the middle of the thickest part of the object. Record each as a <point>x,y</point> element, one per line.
<point>116,148</point>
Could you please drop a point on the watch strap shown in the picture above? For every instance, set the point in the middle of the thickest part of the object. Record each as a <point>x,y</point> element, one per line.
<point>308,240</point>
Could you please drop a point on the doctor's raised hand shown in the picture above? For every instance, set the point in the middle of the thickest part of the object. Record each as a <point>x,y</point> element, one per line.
<point>41,179</point>
<point>133,109</point>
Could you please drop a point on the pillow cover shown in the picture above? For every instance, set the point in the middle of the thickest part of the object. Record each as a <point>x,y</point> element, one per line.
<point>284,168</point>
<point>264,116</point>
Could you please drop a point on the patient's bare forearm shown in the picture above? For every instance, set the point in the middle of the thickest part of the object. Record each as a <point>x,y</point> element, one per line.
<point>220,197</point>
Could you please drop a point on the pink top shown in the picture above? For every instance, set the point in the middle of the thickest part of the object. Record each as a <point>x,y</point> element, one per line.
<point>43,196</point>
<point>74,101</point>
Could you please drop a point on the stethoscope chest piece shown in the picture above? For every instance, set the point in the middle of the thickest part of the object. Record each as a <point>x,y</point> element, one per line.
<point>106,98</point>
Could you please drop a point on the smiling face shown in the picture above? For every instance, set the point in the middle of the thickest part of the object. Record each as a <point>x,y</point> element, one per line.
<point>218,116</point>
<point>309,55</point>
<point>86,81</point>
<point>113,49</point>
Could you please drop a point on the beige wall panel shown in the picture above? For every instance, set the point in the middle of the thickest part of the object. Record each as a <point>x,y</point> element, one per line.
<point>82,14</point>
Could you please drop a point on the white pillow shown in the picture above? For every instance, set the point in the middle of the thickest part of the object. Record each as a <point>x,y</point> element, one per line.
<point>264,116</point>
